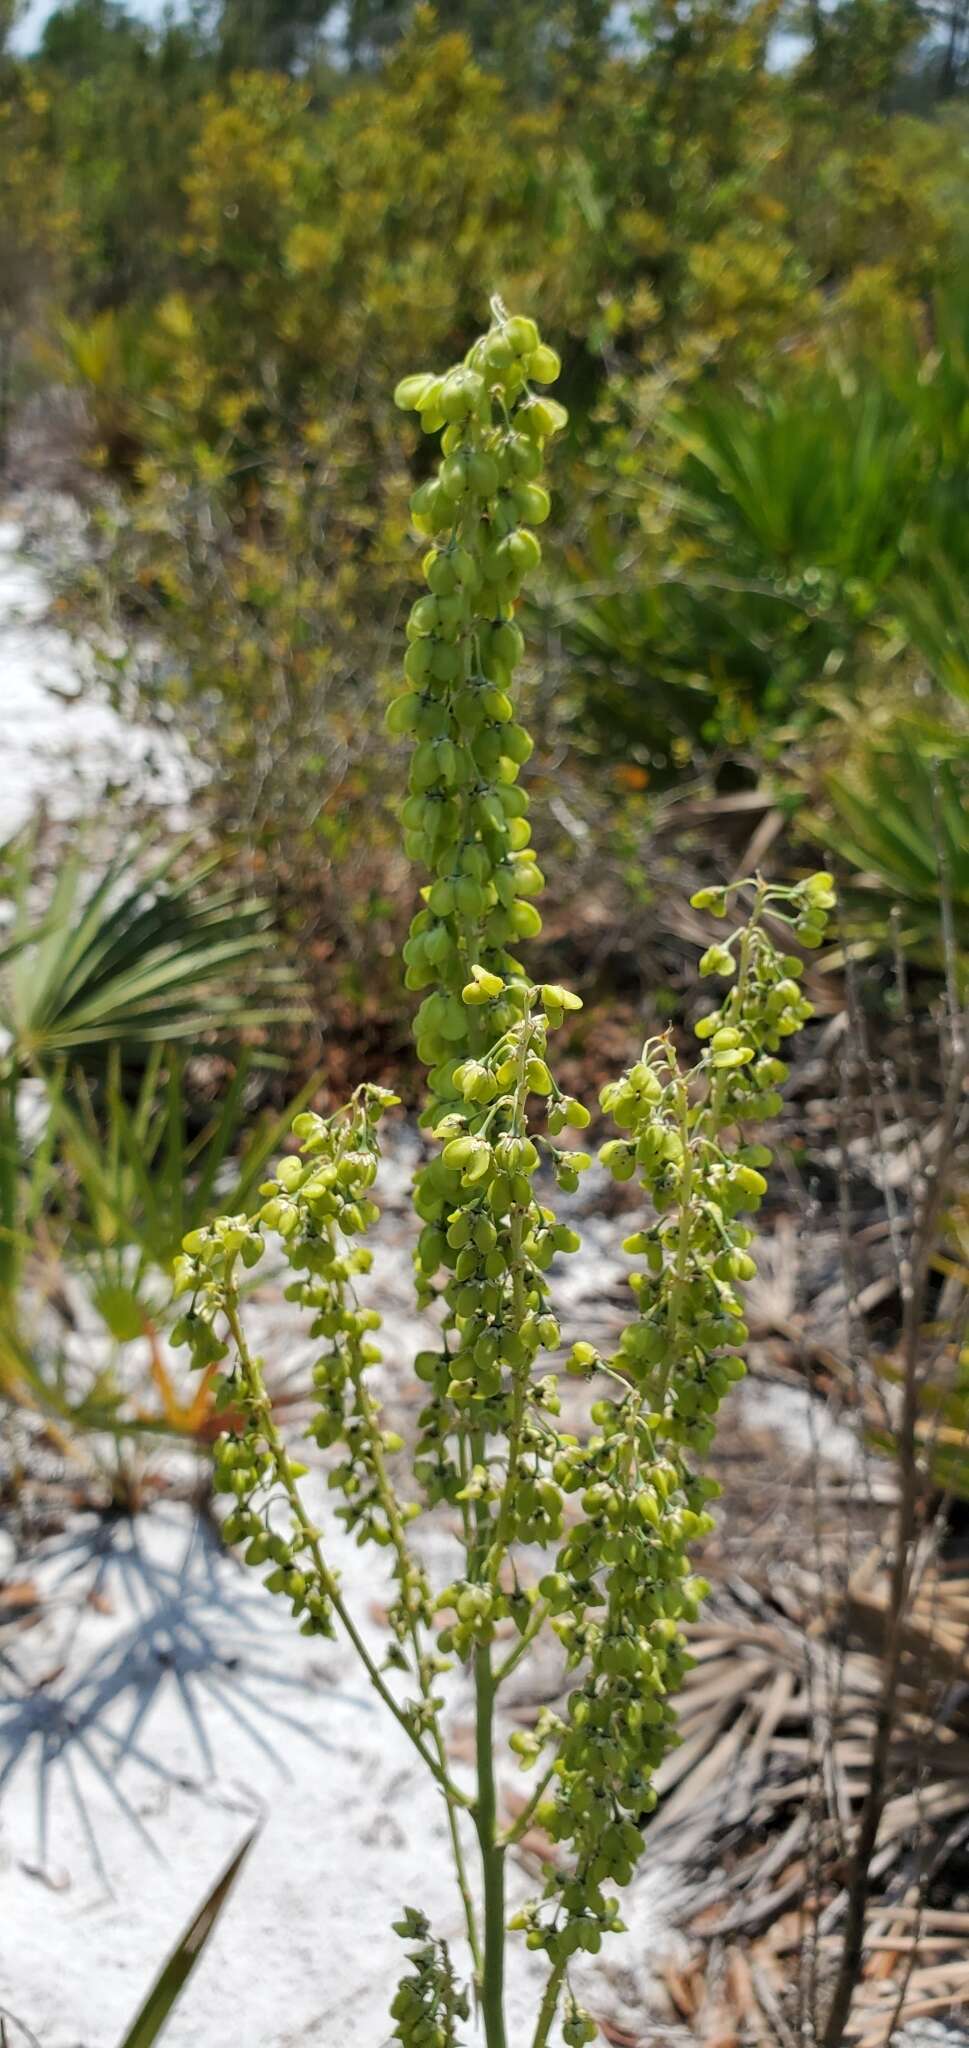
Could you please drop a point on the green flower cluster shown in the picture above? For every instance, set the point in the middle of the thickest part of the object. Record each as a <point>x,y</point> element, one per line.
<point>428,2002</point>
<point>489,1250</point>
<point>318,1204</point>
<point>622,1583</point>
<point>465,817</point>
<point>613,1510</point>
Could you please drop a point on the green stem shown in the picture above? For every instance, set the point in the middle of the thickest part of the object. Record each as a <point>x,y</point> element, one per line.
<point>536,1623</point>
<point>406,1566</point>
<point>678,1288</point>
<point>492,1854</point>
<point>527,1815</point>
<point>549,2003</point>
<point>504,1521</point>
<point>260,1401</point>
<point>505,1517</point>
<point>461,1874</point>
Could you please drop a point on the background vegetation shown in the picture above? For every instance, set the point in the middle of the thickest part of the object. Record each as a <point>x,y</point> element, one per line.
<point>746,226</point>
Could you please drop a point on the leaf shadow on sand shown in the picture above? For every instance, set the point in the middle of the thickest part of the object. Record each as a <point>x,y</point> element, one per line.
<point>196,1628</point>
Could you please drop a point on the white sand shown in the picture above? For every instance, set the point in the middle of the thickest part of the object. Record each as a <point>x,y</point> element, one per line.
<point>55,742</point>
<point>180,1701</point>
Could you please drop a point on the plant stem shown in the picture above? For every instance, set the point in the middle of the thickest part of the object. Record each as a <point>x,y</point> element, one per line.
<point>386,1491</point>
<point>504,1521</point>
<point>682,1245</point>
<point>549,2003</point>
<point>527,1815</point>
<point>274,1443</point>
<point>492,1854</point>
<point>536,1623</point>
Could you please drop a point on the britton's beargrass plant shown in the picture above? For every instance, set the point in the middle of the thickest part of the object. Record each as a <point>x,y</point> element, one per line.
<point>613,1508</point>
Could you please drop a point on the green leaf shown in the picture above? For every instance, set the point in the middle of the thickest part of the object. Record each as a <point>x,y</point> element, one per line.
<point>143,955</point>
<point>151,2019</point>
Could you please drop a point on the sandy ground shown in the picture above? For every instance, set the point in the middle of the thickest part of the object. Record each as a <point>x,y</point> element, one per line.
<point>162,1703</point>
<point>187,1704</point>
<point>57,744</point>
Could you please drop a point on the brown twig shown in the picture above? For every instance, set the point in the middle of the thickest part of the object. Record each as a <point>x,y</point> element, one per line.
<point>906,1530</point>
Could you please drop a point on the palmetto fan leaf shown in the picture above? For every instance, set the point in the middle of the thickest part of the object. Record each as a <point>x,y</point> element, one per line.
<point>789,496</point>
<point>148,953</point>
<point>899,819</point>
<point>932,608</point>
